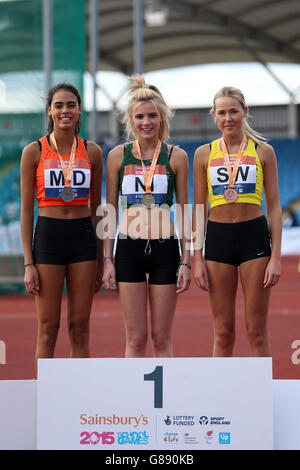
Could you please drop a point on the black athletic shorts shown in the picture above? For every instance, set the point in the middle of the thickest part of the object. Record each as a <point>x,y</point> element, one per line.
<point>235,243</point>
<point>137,257</point>
<point>64,241</point>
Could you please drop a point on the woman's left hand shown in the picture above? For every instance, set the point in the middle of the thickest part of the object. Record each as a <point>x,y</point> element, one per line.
<point>99,281</point>
<point>183,279</point>
<point>272,273</point>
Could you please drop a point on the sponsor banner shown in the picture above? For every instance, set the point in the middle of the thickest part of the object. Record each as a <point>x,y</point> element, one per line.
<point>176,403</point>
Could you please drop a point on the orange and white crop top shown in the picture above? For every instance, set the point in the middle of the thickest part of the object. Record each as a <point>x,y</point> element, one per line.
<point>249,180</point>
<point>49,178</point>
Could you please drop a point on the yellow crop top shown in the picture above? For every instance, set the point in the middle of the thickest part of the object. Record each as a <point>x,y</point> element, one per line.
<point>249,180</point>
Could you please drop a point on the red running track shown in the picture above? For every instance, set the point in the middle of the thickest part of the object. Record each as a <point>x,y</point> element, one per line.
<point>192,331</point>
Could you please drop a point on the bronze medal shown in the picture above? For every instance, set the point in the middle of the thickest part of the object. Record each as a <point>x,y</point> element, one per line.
<point>148,200</point>
<point>67,194</point>
<point>230,195</point>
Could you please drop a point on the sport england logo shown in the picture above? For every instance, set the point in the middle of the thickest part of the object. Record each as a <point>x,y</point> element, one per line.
<point>213,420</point>
<point>203,420</point>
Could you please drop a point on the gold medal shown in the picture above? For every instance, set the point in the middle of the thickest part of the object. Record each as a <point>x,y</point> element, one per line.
<point>148,200</point>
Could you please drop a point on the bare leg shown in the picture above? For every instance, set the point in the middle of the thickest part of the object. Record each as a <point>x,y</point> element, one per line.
<point>48,304</point>
<point>133,299</point>
<point>223,280</point>
<point>256,305</point>
<point>163,300</point>
<point>81,281</point>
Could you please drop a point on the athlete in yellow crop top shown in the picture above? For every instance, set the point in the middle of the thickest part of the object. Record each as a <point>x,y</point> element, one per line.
<point>231,172</point>
<point>64,246</point>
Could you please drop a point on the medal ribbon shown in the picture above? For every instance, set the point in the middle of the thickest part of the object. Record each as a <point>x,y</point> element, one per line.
<point>148,176</point>
<point>67,171</point>
<point>232,172</point>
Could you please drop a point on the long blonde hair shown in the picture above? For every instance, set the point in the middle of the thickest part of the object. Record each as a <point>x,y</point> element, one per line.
<point>140,92</point>
<point>232,92</point>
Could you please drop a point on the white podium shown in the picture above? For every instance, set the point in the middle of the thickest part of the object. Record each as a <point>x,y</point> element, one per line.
<point>161,404</point>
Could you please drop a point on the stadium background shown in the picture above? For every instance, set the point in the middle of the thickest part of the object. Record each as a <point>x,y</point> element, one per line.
<point>22,94</point>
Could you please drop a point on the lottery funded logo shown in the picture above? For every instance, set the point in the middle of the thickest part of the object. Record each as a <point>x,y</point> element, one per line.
<point>180,420</point>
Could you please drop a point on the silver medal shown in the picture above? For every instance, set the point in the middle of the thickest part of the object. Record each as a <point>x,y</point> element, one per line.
<point>67,194</point>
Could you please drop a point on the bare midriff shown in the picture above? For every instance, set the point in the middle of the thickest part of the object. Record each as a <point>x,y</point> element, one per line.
<point>65,212</point>
<point>236,212</point>
<point>140,222</point>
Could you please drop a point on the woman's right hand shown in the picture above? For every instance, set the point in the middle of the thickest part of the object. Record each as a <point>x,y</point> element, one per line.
<point>109,276</point>
<point>200,275</point>
<point>31,280</point>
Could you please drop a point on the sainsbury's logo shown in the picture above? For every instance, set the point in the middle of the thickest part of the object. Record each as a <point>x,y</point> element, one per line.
<point>114,420</point>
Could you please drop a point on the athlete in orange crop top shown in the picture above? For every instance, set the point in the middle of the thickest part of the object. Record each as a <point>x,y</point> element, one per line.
<point>233,170</point>
<point>66,173</point>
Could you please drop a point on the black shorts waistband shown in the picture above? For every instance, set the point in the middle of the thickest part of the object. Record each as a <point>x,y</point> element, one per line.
<point>53,220</point>
<point>238,224</point>
<point>122,236</point>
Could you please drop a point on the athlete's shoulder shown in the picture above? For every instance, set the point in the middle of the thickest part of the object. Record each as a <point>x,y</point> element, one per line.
<point>115,157</point>
<point>178,157</point>
<point>32,150</point>
<point>265,152</point>
<point>93,149</point>
<point>202,154</point>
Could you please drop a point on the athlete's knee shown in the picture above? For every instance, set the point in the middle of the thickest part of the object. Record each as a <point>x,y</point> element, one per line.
<point>48,334</point>
<point>161,341</point>
<point>225,338</point>
<point>79,332</point>
<point>137,341</point>
<point>257,338</point>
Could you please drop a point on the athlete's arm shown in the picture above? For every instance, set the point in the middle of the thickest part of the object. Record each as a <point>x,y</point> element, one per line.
<point>180,165</point>
<point>200,214</point>
<point>29,161</point>
<point>110,222</point>
<point>274,215</point>
<point>96,158</point>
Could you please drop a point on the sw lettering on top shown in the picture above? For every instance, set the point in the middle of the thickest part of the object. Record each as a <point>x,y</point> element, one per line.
<point>249,178</point>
